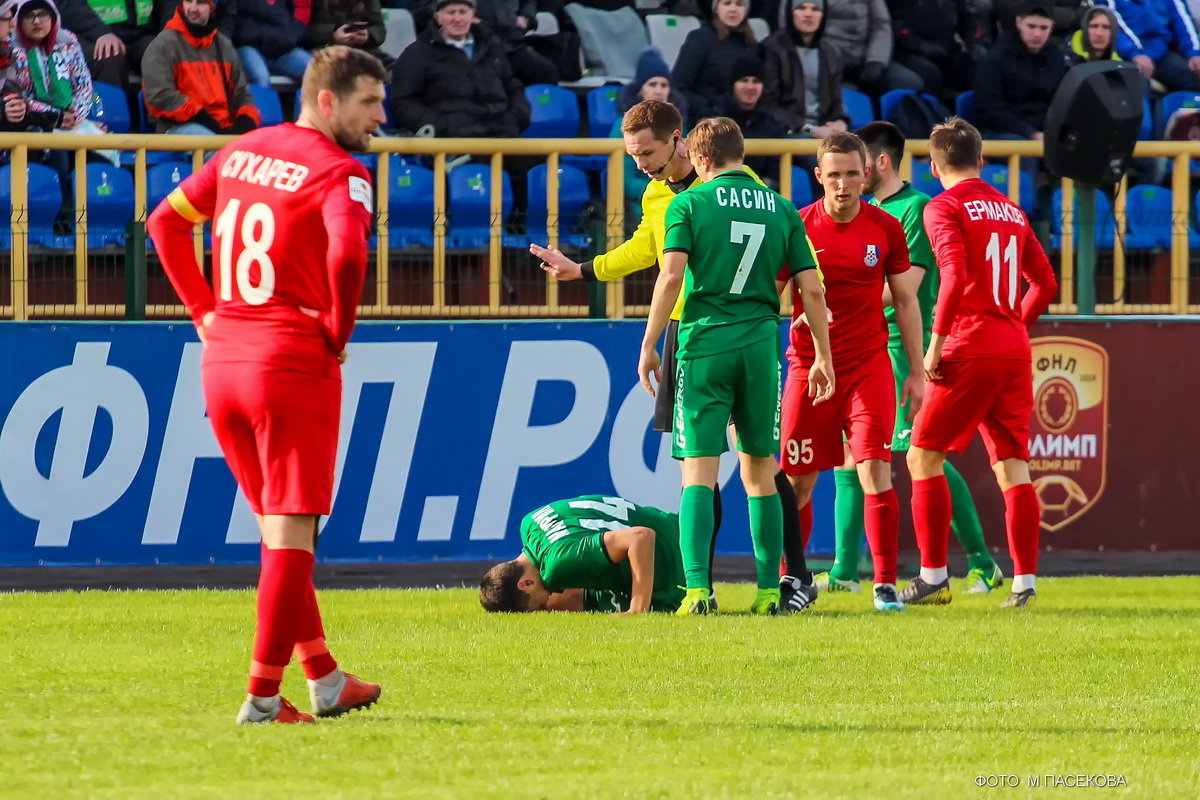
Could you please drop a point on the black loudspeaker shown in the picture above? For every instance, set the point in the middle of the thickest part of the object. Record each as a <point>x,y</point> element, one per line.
<point>1093,122</point>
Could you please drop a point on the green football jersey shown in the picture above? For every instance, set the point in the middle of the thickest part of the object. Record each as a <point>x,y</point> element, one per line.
<point>564,540</point>
<point>737,234</point>
<point>908,206</point>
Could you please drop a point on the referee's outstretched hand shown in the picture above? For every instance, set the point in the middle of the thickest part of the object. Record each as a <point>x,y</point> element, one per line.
<point>558,265</point>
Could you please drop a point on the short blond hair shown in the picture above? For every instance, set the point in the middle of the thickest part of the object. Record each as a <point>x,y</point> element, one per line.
<point>338,68</point>
<point>662,119</point>
<point>956,144</point>
<point>719,139</point>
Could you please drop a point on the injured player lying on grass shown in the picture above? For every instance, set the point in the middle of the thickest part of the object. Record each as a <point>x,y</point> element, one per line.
<point>591,553</point>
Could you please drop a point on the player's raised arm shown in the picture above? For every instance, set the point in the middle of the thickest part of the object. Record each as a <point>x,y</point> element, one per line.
<point>635,545</point>
<point>1036,269</point>
<point>170,227</point>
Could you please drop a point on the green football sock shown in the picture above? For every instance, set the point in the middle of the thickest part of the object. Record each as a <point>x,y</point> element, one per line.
<point>696,533</point>
<point>964,521</point>
<point>766,532</point>
<point>847,524</point>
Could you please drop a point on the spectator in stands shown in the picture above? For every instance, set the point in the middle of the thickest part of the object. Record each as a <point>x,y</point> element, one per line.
<point>702,68</point>
<point>455,79</point>
<point>1160,38</point>
<point>48,65</point>
<point>744,105</point>
<point>268,36</point>
<point>1016,81</point>
<point>940,40</point>
<point>193,79</point>
<point>354,23</point>
<point>1064,13</point>
<point>652,81</point>
<point>227,14</point>
<point>15,114</point>
<point>508,21</point>
<point>861,32</point>
<point>1096,39</point>
<point>106,29</point>
<point>802,75</point>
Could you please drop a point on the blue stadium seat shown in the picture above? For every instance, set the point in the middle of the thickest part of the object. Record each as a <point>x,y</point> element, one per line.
<point>1146,132</point>
<point>602,110</point>
<point>554,112</point>
<point>145,122</point>
<point>889,100</point>
<point>997,175</point>
<point>573,195</point>
<point>410,203</point>
<point>858,107</point>
<point>802,191</point>
<point>1170,103</point>
<point>113,109</point>
<point>109,204</point>
<point>923,180</point>
<point>964,105</point>
<point>1147,218</point>
<point>45,200</point>
<point>470,205</point>
<point>269,107</point>
<point>1104,220</point>
<point>161,180</point>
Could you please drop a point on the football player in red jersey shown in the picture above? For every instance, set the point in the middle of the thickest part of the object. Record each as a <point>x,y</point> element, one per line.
<point>978,361</point>
<point>292,213</point>
<point>861,248</point>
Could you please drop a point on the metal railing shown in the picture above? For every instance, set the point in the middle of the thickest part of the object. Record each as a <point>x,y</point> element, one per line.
<point>444,288</point>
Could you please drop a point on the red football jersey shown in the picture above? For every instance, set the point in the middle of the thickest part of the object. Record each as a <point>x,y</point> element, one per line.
<point>291,214</point>
<point>983,243</point>
<point>855,258</point>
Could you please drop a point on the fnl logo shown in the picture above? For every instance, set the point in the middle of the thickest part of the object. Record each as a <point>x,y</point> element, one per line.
<point>1069,427</point>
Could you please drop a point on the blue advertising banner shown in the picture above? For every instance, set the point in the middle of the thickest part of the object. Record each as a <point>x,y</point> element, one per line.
<point>451,432</point>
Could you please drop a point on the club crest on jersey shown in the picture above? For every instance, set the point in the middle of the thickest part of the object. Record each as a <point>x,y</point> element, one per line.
<point>872,255</point>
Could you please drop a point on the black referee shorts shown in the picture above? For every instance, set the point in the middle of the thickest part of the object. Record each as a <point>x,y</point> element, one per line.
<point>664,400</point>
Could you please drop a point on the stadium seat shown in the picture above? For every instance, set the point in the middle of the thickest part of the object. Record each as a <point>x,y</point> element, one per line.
<point>923,180</point>
<point>573,195</point>
<point>410,203</point>
<point>610,41</point>
<point>1174,101</point>
<point>109,204</point>
<point>470,205</point>
<point>858,107</point>
<point>761,28</point>
<point>399,31</point>
<point>602,111</point>
<point>554,112</point>
<point>547,25</point>
<point>145,121</point>
<point>964,105</point>
<point>113,109</point>
<point>889,100</point>
<point>1147,218</point>
<point>667,32</point>
<point>269,107</point>
<point>45,200</point>
<point>997,175</point>
<point>161,180</point>
<point>1146,132</point>
<point>1104,220</point>
<point>802,191</point>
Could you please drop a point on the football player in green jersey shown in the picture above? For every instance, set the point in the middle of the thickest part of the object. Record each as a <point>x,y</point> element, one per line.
<point>726,241</point>
<point>590,553</point>
<point>885,145</point>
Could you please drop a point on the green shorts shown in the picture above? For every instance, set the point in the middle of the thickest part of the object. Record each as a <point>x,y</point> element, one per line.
<point>902,434</point>
<point>741,386</point>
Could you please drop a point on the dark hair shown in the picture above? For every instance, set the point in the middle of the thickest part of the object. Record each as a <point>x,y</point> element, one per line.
<point>498,590</point>
<point>842,143</point>
<point>882,137</point>
<point>956,144</point>
<point>338,68</point>
<point>663,119</point>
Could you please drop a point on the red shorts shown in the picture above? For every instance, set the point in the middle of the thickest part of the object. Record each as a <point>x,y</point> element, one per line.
<point>278,430</point>
<point>991,395</point>
<point>863,407</point>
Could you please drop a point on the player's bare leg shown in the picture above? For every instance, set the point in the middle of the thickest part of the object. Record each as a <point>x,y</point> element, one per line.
<point>766,528</point>
<point>1022,520</point>
<point>881,519</point>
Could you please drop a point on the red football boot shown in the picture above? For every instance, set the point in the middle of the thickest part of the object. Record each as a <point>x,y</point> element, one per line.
<point>284,712</point>
<point>349,693</point>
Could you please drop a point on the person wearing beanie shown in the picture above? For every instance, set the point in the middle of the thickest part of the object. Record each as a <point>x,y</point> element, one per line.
<point>743,104</point>
<point>651,81</point>
<point>192,77</point>
<point>803,75</point>
<point>508,21</point>
<point>701,70</point>
<point>48,66</point>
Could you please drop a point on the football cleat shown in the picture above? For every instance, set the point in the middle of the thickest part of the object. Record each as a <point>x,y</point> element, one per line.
<point>827,583</point>
<point>766,603</point>
<point>795,595</point>
<point>283,712</point>
<point>349,693</point>
<point>695,603</point>
<point>920,592</point>
<point>1020,599</point>
<point>886,598</point>
<point>982,581</point>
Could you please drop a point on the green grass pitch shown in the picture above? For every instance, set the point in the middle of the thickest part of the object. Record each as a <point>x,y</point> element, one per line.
<point>133,694</point>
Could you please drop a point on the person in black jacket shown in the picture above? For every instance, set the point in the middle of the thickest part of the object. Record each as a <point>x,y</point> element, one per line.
<point>803,75</point>
<point>940,40</point>
<point>268,37</point>
<point>744,105</point>
<point>708,54</point>
<point>509,21</point>
<point>113,45</point>
<point>1016,81</point>
<point>456,79</point>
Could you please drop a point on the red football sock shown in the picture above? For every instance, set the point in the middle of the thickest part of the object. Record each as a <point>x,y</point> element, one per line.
<point>311,648</point>
<point>931,519</point>
<point>1023,519</point>
<point>806,523</point>
<point>881,518</point>
<point>283,582</point>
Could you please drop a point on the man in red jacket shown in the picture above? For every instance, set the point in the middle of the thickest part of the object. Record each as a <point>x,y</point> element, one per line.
<point>292,213</point>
